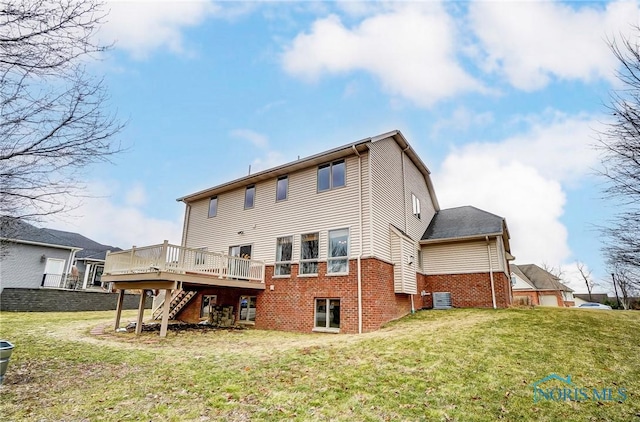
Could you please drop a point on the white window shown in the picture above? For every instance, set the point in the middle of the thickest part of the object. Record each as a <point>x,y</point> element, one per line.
<point>416,205</point>
<point>331,175</point>
<point>247,309</point>
<point>284,250</point>
<point>208,303</point>
<point>213,206</point>
<point>327,315</point>
<point>282,188</point>
<point>309,246</point>
<point>249,196</point>
<point>338,261</point>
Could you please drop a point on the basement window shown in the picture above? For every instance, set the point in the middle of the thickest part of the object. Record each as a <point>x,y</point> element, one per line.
<point>208,302</point>
<point>327,315</point>
<point>247,309</point>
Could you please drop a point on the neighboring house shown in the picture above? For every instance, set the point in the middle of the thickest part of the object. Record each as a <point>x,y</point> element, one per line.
<point>603,298</point>
<point>38,257</point>
<point>533,285</point>
<point>342,241</point>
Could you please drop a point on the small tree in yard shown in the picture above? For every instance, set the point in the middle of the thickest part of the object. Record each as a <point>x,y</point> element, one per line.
<point>626,282</point>
<point>53,121</point>
<point>586,276</point>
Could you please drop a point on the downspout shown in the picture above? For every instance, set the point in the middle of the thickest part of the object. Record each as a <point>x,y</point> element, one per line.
<point>404,190</point>
<point>185,226</point>
<point>493,289</point>
<point>360,240</point>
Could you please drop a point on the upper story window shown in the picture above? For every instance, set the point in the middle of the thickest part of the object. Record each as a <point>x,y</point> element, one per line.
<point>249,196</point>
<point>338,261</point>
<point>284,251</point>
<point>416,205</point>
<point>213,206</point>
<point>309,247</point>
<point>282,188</point>
<point>331,175</point>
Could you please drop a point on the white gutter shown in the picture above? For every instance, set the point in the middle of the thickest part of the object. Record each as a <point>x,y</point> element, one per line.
<point>360,240</point>
<point>49,245</point>
<point>493,289</point>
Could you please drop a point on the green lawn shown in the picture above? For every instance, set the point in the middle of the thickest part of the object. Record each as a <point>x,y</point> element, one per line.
<point>466,365</point>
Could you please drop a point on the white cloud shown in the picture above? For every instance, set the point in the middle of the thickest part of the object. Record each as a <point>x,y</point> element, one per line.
<point>533,42</point>
<point>136,196</point>
<point>557,146</point>
<point>521,178</point>
<point>411,50</point>
<point>101,217</point>
<point>142,26</point>
<point>267,160</point>
<point>257,139</point>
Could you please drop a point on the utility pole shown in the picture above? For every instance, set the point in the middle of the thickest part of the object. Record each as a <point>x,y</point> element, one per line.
<point>615,289</point>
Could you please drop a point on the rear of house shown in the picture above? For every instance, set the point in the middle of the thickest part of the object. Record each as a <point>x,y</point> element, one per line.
<point>341,238</point>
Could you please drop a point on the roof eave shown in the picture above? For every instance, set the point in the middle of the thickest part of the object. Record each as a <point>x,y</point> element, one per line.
<point>333,154</point>
<point>459,239</point>
<point>49,245</point>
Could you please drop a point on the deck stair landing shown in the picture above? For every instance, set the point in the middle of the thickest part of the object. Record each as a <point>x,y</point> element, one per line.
<point>178,301</point>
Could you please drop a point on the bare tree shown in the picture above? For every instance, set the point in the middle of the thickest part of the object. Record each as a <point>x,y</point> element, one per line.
<point>620,148</point>
<point>626,282</point>
<point>557,272</point>
<point>53,118</point>
<point>586,276</point>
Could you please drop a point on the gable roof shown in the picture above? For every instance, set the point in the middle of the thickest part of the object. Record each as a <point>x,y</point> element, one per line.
<point>516,270</point>
<point>542,279</point>
<point>22,232</point>
<point>354,148</point>
<point>595,297</point>
<point>463,222</point>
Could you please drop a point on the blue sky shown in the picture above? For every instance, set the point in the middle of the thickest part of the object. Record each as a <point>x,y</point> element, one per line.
<point>502,100</point>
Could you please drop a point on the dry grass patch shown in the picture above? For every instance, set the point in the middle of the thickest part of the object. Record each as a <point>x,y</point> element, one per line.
<point>434,365</point>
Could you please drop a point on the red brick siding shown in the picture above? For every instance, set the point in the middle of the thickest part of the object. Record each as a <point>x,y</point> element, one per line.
<point>535,297</point>
<point>467,290</point>
<point>290,306</point>
<point>532,295</point>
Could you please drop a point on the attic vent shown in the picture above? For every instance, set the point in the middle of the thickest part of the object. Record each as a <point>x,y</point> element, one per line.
<point>441,300</point>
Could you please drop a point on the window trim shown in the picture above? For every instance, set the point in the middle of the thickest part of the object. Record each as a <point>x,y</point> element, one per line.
<point>310,260</point>
<point>286,193</point>
<point>290,262</point>
<point>253,200</point>
<point>202,301</point>
<point>215,214</point>
<point>330,165</point>
<point>415,206</point>
<point>342,257</point>
<point>246,321</point>
<point>326,328</point>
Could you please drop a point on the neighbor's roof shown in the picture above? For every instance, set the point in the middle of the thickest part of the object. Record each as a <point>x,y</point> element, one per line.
<point>317,159</point>
<point>22,232</point>
<point>464,222</point>
<point>516,270</point>
<point>542,279</point>
<point>595,297</point>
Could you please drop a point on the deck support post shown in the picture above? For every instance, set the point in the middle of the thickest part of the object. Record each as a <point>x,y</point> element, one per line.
<point>140,312</point>
<point>119,308</point>
<point>166,308</point>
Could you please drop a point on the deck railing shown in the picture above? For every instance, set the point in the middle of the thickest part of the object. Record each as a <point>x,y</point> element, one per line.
<point>180,260</point>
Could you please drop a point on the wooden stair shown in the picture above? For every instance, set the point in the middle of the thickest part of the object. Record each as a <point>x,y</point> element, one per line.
<point>178,301</point>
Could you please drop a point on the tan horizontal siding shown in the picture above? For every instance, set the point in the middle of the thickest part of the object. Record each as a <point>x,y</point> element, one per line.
<point>305,210</point>
<point>460,257</point>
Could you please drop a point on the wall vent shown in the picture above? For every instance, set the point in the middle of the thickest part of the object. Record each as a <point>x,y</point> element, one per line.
<point>441,300</point>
